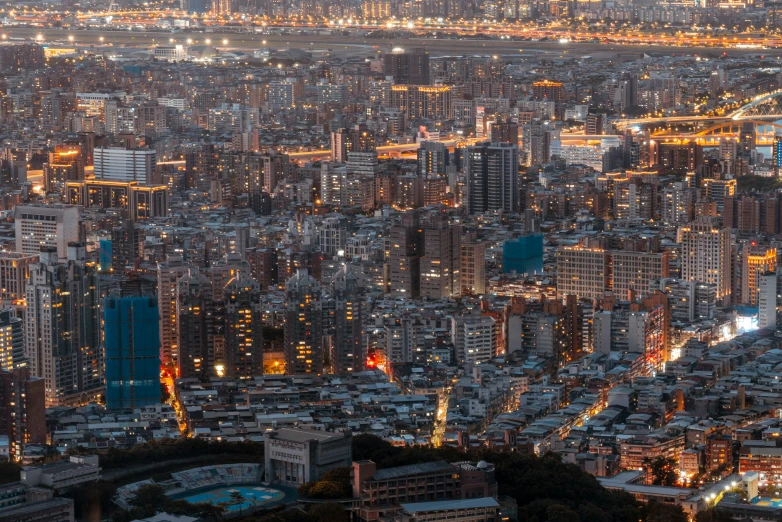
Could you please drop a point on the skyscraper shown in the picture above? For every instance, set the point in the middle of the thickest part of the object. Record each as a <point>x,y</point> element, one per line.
<point>407,67</point>
<point>473,265</point>
<point>168,274</point>
<point>755,261</point>
<point>132,342</point>
<point>523,255</point>
<point>767,301</point>
<point>303,325</point>
<point>62,326</point>
<point>504,130</point>
<point>440,264</point>
<point>243,328</point>
<point>706,255</point>
<point>124,164</point>
<point>432,158</point>
<point>127,245</point>
<point>404,256</point>
<point>39,226</point>
<point>11,341</point>
<point>22,409</point>
<point>492,178</point>
<point>14,268</point>
<point>348,350</point>
<point>199,355</point>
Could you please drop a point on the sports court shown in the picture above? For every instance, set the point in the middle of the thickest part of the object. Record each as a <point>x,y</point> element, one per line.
<point>768,502</point>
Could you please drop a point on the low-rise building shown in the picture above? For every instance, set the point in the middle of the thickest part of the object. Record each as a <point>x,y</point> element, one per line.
<point>63,474</point>
<point>295,456</point>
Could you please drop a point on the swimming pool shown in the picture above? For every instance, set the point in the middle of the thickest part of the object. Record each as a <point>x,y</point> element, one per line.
<point>252,496</point>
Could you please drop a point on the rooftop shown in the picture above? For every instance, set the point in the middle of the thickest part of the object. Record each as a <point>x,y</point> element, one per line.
<point>304,435</point>
<point>450,505</point>
<point>412,469</point>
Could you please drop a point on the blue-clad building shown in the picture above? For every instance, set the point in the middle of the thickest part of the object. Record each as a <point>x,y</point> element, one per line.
<point>132,341</point>
<point>524,255</point>
<point>106,254</point>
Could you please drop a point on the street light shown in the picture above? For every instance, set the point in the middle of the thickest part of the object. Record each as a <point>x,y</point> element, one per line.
<point>225,41</point>
<point>207,41</point>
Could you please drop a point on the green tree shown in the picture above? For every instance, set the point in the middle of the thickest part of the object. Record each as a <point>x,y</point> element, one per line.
<point>559,513</point>
<point>93,499</point>
<point>662,470</point>
<point>149,495</point>
<point>9,472</point>
<point>658,512</point>
<point>326,489</point>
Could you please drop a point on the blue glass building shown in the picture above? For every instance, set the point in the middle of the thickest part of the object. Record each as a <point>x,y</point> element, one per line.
<point>132,341</point>
<point>105,255</point>
<point>524,255</point>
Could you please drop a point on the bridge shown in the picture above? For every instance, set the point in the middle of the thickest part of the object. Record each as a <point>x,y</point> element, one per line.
<point>764,132</point>
<point>766,106</point>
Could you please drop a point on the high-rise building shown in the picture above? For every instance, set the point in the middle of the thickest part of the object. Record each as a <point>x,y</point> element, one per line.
<point>243,328</point>
<point>688,301</point>
<point>407,67</point>
<point>755,261</point>
<point>200,354</point>
<point>332,181</point>
<point>441,260</point>
<point>132,341</point>
<point>767,301</point>
<point>136,201</point>
<point>20,57</point>
<point>66,163</point>
<point>681,157</point>
<point>22,410</point>
<point>127,246</point>
<point>504,130</point>
<point>404,255</point>
<point>280,95</point>
<point>118,118</point>
<point>221,8</point>
<point>122,164</point>
<point>340,145</point>
<point>433,102</point>
<point>473,265</point>
<point>168,274</point>
<point>582,271</point>
<point>14,269</point>
<point>678,203</point>
<point>633,271</point>
<point>332,233</point>
<point>523,255</point>
<point>776,153</point>
<point>628,329</point>
<point>706,255</point>
<point>548,90</point>
<point>432,158</point>
<point>492,178</point>
<point>11,342</point>
<point>348,351</point>
<point>40,226</point>
<point>62,326</point>
<point>303,325</point>
<point>474,338</point>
